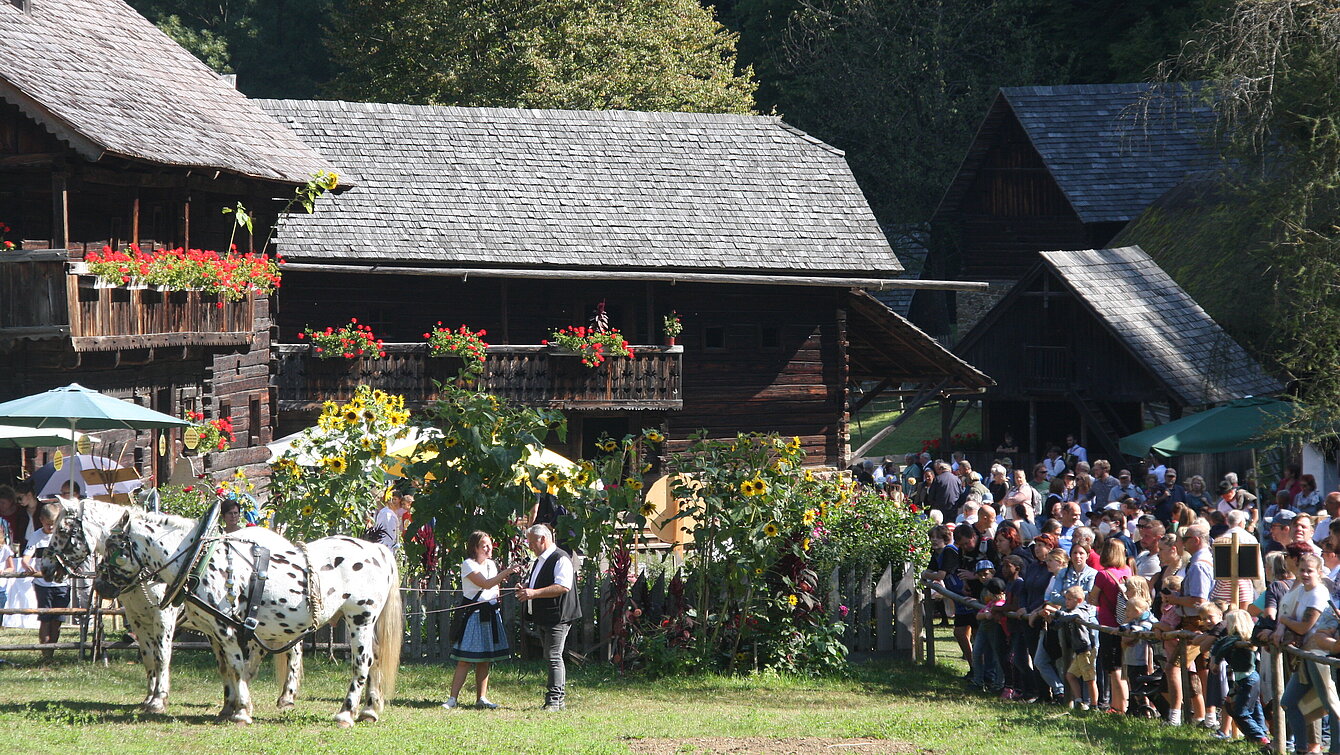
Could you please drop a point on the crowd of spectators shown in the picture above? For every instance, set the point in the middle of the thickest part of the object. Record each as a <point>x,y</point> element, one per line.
<point>1047,552</point>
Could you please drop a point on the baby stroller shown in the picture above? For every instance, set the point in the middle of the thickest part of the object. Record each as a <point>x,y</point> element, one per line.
<point>1146,699</point>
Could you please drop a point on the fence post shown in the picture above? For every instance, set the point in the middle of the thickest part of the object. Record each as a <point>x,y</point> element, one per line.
<point>928,621</point>
<point>866,599</point>
<point>905,611</point>
<point>1185,671</point>
<point>1277,692</point>
<point>884,610</point>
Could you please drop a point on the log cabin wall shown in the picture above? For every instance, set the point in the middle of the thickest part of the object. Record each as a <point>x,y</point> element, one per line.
<point>756,358</point>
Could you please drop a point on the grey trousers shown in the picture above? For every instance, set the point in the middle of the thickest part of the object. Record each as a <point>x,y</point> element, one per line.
<point>552,640</point>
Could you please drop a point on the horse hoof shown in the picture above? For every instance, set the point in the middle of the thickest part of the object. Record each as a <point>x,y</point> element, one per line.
<point>285,705</point>
<point>368,714</point>
<point>241,718</point>
<point>153,706</point>
<point>345,719</point>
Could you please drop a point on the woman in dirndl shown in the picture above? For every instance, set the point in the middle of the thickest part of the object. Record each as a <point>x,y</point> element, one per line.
<point>478,635</point>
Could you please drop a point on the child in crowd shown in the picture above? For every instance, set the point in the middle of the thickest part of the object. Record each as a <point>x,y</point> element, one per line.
<point>1244,692</point>
<point>1136,652</point>
<point>6,563</point>
<point>1082,675</point>
<point>987,663</point>
<point>50,594</point>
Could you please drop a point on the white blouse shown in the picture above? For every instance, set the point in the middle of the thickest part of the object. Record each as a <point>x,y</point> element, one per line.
<point>487,570</point>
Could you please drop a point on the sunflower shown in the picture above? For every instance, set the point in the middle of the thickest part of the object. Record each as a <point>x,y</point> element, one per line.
<point>654,436</point>
<point>307,511</point>
<point>646,468</point>
<point>758,572</point>
<point>648,508</point>
<point>792,600</point>
<point>329,407</point>
<point>760,486</point>
<point>450,441</point>
<point>809,516</point>
<point>794,445</point>
<point>633,483</point>
<point>747,487</point>
<point>805,544</point>
<point>771,529</point>
<point>365,443</point>
<point>349,415</point>
<point>809,476</point>
<point>369,416</point>
<point>607,446</point>
<point>582,478</point>
<point>338,465</point>
<point>381,446</point>
<point>379,396</point>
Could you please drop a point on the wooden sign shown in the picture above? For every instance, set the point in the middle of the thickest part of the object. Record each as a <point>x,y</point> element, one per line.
<point>1235,560</point>
<point>84,445</point>
<point>162,444</point>
<point>191,438</point>
<point>58,460</point>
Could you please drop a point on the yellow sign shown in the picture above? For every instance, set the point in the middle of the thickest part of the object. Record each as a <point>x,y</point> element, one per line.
<point>162,444</point>
<point>84,445</point>
<point>191,438</point>
<point>58,460</point>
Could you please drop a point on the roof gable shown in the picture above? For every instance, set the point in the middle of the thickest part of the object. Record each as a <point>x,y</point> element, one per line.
<point>1161,324</point>
<point>1111,148</point>
<point>608,190</point>
<point>106,81</point>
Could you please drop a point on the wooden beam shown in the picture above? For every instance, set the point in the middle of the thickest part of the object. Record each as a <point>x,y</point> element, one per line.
<point>760,279</point>
<point>870,395</point>
<point>60,211</point>
<point>908,410</point>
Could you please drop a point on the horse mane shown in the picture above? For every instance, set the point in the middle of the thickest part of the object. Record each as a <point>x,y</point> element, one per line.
<point>169,520</point>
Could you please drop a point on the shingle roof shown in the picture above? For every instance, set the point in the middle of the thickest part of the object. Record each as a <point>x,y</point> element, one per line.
<point>102,78</point>
<point>1112,148</point>
<point>614,189</point>
<point>1146,310</point>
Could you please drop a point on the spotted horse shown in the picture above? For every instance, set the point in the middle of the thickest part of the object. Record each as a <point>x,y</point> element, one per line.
<point>79,537</point>
<point>300,588</point>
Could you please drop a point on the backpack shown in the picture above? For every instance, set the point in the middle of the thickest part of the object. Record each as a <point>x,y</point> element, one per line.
<point>1078,637</point>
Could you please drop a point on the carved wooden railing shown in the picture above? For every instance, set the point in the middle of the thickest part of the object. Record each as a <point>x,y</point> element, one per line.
<point>40,299</point>
<point>532,375</point>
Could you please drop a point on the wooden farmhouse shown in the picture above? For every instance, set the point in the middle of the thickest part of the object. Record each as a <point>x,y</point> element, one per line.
<point>1059,167</point>
<point>111,134</point>
<point>521,222</point>
<point>1087,341</point>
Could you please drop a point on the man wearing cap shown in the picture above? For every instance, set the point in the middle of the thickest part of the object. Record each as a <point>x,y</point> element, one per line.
<point>1280,531</point>
<point>1168,495</point>
<point>1125,488</point>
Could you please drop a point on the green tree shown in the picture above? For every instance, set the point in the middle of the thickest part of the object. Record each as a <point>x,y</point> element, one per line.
<point>1274,73</point>
<point>666,55</point>
<point>902,86</point>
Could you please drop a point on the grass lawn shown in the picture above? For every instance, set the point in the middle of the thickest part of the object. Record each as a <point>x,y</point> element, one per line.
<point>76,707</point>
<point>923,425</point>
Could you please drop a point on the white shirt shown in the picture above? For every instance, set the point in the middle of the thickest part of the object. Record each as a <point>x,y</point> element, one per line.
<point>388,521</point>
<point>487,570</point>
<point>1079,452</point>
<point>1159,472</point>
<point>40,540</point>
<point>1054,466</point>
<point>562,570</point>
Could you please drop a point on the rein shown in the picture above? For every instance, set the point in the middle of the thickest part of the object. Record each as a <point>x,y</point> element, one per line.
<point>76,534</point>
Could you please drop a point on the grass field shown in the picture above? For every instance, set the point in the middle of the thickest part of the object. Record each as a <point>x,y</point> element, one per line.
<point>923,425</point>
<point>75,706</point>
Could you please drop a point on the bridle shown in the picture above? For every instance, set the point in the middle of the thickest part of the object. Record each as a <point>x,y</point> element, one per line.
<point>73,533</point>
<point>120,547</point>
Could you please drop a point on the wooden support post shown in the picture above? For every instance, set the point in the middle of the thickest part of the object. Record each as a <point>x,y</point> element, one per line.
<point>928,621</point>
<point>1032,452</point>
<point>905,610</point>
<point>884,610</point>
<point>1277,693</point>
<point>60,211</point>
<point>135,219</point>
<point>946,426</point>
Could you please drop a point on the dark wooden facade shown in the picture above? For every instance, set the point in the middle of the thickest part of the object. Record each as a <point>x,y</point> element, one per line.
<point>170,351</point>
<point>751,358</point>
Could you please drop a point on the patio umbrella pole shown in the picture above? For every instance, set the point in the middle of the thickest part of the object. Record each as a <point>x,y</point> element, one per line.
<point>73,451</point>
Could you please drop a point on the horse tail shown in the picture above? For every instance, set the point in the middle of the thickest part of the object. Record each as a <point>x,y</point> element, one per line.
<point>390,633</point>
<point>287,670</point>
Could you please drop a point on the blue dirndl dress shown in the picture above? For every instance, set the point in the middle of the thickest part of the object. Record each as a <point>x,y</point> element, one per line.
<point>484,638</point>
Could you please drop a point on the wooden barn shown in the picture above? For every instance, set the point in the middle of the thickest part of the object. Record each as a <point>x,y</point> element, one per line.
<point>1060,167</point>
<point>1088,341</point>
<point>522,222</point>
<point>115,145</point>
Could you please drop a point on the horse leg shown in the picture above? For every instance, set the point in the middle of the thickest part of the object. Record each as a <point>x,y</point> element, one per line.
<point>235,659</point>
<point>288,666</point>
<point>225,671</point>
<point>360,652</point>
<point>153,631</point>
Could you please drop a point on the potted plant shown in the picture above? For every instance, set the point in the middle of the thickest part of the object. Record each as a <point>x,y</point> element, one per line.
<point>673,327</point>
<point>215,434</point>
<point>352,341</point>
<point>592,345</point>
<point>7,246</point>
<point>469,346</point>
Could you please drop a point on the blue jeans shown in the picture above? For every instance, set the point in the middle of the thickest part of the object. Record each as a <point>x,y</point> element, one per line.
<point>1022,641</point>
<point>1293,717</point>
<point>1047,667</point>
<point>1244,705</point>
<point>987,654</point>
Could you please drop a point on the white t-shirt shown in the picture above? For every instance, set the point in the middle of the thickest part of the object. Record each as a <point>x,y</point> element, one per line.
<point>1296,602</point>
<point>487,570</point>
<point>40,540</point>
<point>388,521</point>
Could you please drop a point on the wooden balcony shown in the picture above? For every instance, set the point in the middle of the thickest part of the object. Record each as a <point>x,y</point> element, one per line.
<point>40,298</point>
<point>532,375</point>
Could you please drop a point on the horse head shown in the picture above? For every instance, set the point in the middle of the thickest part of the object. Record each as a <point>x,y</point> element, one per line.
<point>122,566</point>
<point>70,546</point>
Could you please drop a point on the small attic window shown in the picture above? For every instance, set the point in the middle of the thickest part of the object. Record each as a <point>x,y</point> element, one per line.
<point>20,4</point>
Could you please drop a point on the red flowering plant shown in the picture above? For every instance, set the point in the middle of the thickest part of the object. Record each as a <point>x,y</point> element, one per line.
<point>461,342</point>
<point>215,434</point>
<point>594,346</point>
<point>8,246</point>
<point>350,341</point>
<point>231,276</point>
<point>957,442</point>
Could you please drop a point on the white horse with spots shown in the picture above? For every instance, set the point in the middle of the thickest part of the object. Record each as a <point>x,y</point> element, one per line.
<point>307,587</point>
<point>77,539</point>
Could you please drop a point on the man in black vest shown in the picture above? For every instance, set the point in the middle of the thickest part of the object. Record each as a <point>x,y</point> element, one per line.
<point>551,597</point>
